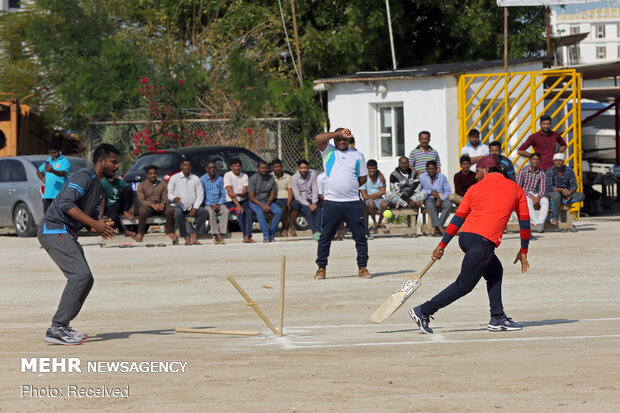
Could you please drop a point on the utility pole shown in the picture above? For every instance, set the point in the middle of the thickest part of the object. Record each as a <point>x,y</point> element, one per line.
<point>301,77</point>
<point>389,17</point>
<point>505,39</point>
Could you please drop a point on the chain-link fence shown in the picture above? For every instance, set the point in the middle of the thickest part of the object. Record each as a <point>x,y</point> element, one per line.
<point>270,138</point>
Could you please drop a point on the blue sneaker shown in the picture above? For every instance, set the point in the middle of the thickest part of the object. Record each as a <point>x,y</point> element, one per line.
<point>504,323</point>
<point>420,319</point>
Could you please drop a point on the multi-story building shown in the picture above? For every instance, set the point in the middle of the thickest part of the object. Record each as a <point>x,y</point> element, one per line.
<point>603,40</point>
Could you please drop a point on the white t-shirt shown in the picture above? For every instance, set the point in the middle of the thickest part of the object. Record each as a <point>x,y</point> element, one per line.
<point>343,170</point>
<point>237,183</point>
<point>481,150</point>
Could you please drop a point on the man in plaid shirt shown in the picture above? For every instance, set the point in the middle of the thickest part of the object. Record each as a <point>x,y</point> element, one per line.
<point>532,179</point>
<point>215,198</point>
<point>561,186</point>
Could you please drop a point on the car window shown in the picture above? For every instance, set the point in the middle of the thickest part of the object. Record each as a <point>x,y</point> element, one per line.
<point>248,163</point>
<point>76,164</point>
<point>201,159</point>
<point>165,162</point>
<point>12,171</point>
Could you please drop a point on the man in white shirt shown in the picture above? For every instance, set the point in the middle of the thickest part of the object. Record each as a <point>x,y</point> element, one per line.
<point>185,191</point>
<point>346,170</point>
<point>474,148</point>
<point>236,185</point>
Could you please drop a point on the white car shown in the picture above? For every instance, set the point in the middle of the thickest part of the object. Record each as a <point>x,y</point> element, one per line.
<point>21,202</point>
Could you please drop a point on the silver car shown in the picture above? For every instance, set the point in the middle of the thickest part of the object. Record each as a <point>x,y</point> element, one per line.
<point>21,202</point>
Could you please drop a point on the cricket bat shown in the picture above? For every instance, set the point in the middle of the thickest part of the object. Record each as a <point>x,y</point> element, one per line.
<point>397,299</point>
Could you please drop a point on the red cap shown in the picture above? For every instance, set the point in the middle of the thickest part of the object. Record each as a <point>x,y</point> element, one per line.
<point>487,162</point>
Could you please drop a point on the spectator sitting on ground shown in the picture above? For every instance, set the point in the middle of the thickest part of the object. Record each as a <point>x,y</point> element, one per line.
<point>561,186</point>
<point>373,192</point>
<point>405,189</point>
<point>236,184</point>
<point>118,200</point>
<point>532,179</point>
<point>215,197</point>
<point>284,198</point>
<point>186,193</point>
<point>474,149</point>
<point>508,169</point>
<point>462,180</point>
<point>437,189</point>
<point>544,143</point>
<point>153,196</point>
<point>54,172</point>
<point>423,153</point>
<point>305,189</point>
<point>262,191</point>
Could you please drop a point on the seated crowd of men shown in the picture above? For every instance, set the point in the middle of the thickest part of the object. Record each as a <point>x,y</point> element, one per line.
<point>278,197</point>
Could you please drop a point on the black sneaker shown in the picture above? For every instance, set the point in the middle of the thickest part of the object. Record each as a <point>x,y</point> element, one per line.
<point>63,336</point>
<point>504,323</point>
<point>420,319</point>
<point>77,333</point>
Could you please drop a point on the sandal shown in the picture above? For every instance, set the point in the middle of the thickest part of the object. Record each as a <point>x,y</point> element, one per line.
<point>196,242</point>
<point>188,243</point>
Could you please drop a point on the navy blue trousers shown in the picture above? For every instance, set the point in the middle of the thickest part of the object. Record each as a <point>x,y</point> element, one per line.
<point>479,261</point>
<point>353,214</point>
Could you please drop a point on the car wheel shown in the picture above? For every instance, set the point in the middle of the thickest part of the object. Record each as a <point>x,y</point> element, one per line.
<point>24,221</point>
<point>301,224</point>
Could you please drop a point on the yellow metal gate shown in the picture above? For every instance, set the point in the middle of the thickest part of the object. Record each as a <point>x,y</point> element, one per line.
<point>506,107</point>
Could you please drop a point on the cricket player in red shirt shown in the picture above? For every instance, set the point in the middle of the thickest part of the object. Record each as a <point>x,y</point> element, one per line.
<point>483,215</point>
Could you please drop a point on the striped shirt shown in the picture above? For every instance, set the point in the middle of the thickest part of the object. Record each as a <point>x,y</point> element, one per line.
<point>566,180</point>
<point>532,182</point>
<point>214,190</point>
<point>418,158</point>
<point>486,209</point>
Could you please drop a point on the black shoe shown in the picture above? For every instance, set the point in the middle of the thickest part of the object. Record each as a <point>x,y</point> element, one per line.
<point>63,336</point>
<point>420,319</point>
<point>77,333</point>
<point>504,323</point>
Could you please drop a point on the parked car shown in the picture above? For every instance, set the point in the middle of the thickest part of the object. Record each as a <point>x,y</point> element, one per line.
<point>21,202</point>
<point>169,161</point>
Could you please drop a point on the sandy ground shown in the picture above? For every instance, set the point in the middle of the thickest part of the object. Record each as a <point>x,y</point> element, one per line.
<point>331,358</point>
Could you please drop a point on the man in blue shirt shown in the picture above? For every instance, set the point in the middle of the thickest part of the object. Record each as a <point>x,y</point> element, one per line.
<point>561,186</point>
<point>76,206</point>
<point>437,189</point>
<point>53,173</point>
<point>215,198</point>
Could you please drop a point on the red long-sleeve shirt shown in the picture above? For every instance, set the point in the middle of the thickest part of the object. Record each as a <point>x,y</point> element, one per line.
<point>486,209</point>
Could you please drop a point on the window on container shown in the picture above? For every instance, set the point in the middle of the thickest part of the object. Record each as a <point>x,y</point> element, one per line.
<point>391,131</point>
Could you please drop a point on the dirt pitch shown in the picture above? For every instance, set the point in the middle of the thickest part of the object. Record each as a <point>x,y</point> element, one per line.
<point>331,358</point>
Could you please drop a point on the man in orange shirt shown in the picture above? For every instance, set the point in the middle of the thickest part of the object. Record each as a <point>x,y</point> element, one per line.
<point>483,215</point>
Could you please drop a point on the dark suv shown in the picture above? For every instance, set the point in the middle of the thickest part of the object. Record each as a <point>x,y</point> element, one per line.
<point>168,162</point>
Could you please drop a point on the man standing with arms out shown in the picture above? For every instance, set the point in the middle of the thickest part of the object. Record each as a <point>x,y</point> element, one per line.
<point>543,142</point>
<point>474,149</point>
<point>423,153</point>
<point>561,186</point>
<point>262,191</point>
<point>118,200</point>
<point>462,180</point>
<point>483,214</point>
<point>53,173</point>
<point>532,180</point>
<point>346,171</point>
<point>76,206</point>
<point>508,169</point>
<point>437,189</point>
<point>186,192</point>
<point>284,198</point>
<point>405,189</point>
<point>236,184</point>
<point>215,196</point>
<point>373,192</point>
<point>153,196</point>
<point>306,191</point>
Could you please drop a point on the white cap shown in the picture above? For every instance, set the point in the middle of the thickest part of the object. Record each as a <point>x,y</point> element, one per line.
<point>559,156</point>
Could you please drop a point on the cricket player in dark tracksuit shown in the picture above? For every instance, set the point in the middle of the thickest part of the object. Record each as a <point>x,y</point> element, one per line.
<point>482,217</point>
<point>76,206</point>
